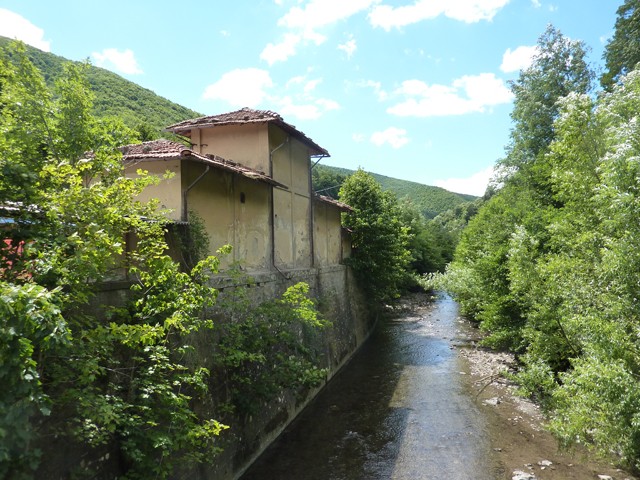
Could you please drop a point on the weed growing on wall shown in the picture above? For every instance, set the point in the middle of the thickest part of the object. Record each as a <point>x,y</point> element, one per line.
<point>263,350</point>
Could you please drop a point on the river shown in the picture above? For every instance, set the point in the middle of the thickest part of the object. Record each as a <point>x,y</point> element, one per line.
<point>400,410</point>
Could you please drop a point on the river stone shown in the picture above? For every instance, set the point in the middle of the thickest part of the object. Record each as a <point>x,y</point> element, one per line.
<point>520,475</point>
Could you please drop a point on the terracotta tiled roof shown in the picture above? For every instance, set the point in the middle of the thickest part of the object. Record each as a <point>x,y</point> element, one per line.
<point>153,149</point>
<point>243,116</point>
<point>334,202</point>
<point>166,149</point>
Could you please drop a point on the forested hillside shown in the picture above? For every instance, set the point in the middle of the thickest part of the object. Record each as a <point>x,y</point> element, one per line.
<point>431,201</point>
<point>550,265</point>
<point>138,107</point>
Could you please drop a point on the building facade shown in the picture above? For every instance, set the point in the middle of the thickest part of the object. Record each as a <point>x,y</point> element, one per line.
<point>247,175</point>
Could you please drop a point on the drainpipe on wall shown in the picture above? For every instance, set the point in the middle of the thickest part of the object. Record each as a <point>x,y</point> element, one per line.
<point>273,211</point>
<point>311,210</point>
<point>185,209</point>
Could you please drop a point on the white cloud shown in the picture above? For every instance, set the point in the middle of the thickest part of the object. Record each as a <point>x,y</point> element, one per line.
<point>123,62</point>
<point>476,184</point>
<point>327,104</point>
<point>349,47</point>
<point>301,80</point>
<point>468,94</point>
<point>305,110</point>
<point>251,87</point>
<point>15,26</point>
<point>536,3</point>
<point>377,88</point>
<point>243,87</point>
<point>311,85</point>
<point>302,22</point>
<point>396,137</point>
<point>468,11</point>
<point>319,13</point>
<point>518,59</point>
<point>279,52</point>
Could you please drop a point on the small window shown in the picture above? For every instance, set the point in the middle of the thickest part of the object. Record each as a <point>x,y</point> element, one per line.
<point>243,198</point>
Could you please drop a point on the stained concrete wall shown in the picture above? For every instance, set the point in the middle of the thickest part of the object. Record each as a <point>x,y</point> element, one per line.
<point>168,191</point>
<point>292,207</point>
<point>328,248</point>
<point>341,301</point>
<point>247,144</point>
<point>236,211</point>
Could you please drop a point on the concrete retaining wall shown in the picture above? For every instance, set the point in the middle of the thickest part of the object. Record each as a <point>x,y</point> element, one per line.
<point>341,302</point>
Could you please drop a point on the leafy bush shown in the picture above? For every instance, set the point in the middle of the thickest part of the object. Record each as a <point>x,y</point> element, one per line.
<point>264,350</point>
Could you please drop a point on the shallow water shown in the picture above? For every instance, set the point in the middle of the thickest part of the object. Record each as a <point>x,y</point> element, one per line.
<point>399,410</point>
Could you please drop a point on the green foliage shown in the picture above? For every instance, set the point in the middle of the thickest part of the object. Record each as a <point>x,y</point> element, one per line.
<point>327,180</point>
<point>379,239</point>
<point>430,245</point>
<point>455,220</point>
<point>139,108</point>
<point>30,322</point>
<point>559,68</point>
<point>550,263</point>
<point>430,201</point>
<point>622,53</point>
<point>479,275</point>
<point>599,406</point>
<point>264,350</point>
<point>191,240</point>
<point>125,381</point>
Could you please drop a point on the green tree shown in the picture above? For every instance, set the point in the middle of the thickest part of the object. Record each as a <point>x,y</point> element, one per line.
<point>559,68</point>
<point>551,271</point>
<point>120,379</point>
<point>430,245</point>
<point>379,238</point>
<point>596,401</point>
<point>622,53</point>
<point>510,232</point>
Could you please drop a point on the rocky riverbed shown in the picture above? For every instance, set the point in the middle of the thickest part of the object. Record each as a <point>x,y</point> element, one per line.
<point>525,450</point>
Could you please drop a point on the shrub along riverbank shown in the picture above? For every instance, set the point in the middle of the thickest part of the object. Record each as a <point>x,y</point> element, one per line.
<point>550,266</point>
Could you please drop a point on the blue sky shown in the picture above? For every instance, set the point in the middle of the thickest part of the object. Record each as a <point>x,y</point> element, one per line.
<point>412,89</point>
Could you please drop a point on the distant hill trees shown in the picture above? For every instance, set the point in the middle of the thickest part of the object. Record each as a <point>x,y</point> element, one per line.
<point>139,108</point>
<point>430,201</point>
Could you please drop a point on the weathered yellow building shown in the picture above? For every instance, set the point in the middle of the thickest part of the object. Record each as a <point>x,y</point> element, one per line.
<point>248,176</point>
